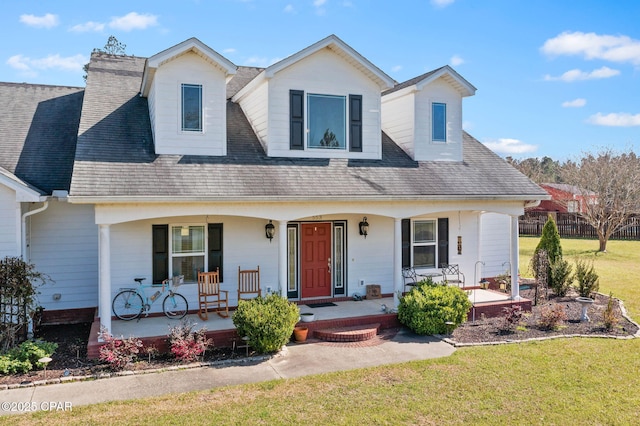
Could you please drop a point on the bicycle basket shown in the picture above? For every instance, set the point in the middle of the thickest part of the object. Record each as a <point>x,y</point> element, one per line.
<point>178,280</point>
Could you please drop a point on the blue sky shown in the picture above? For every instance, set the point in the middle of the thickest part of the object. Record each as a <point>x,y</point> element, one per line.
<point>554,78</point>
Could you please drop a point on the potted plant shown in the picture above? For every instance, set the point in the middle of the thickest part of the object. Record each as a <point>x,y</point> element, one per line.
<point>307,316</point>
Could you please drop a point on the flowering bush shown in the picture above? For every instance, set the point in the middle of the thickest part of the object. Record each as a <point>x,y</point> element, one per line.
<point>186,344</point>
<point>552,317</point>
<point>511,317</point>
<point>118,353</point>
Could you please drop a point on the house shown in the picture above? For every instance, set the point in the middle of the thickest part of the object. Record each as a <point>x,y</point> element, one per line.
<point>565,198</point>
<point>180,162</point>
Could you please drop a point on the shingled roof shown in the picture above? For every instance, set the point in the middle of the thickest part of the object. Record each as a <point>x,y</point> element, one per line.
<point>38,128</point>
<point>115,159</point>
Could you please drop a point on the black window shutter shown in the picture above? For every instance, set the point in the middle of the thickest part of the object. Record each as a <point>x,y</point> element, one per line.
<point>406,243</point>
<point>443,240</point>
<point>296,117</point>
<point>160,243</point>
<point>215,248</point>
<point>355,123</point>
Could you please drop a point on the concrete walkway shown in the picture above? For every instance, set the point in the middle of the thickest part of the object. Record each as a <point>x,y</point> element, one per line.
<point>294,361</point>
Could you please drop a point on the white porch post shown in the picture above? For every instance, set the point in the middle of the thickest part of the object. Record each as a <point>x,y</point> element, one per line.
<point>104,266</point>
<point>397,262</point>
<point>515,248</point>
<point>282,257</point>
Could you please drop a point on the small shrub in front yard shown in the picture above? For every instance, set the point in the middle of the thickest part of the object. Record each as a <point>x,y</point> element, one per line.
<point>24,358</point>
<point>511,317</point>
<point>267,322</point>
<point>609,317</point>
<point>586,278</point>
<point>427,308</point>
<point>187,345</point>
<point>551,317</point>
<point>118,353</point>
<point>560,278</point>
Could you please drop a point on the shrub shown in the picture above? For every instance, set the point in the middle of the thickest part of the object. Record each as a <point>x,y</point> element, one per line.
<point>586,278</point>
<point>186,344</point>
<point>267,322</point>
<point>118,353</point>
<point>550,241</point>
<point>511,317</point>
<point>551,317</point>
<point>609,317</point>
<point>560,278</point>
<point>25,357</point>
<point>427,308</point>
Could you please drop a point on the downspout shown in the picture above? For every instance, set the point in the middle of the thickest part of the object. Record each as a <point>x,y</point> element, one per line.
<point>24,227</point>
<point>24,252</point>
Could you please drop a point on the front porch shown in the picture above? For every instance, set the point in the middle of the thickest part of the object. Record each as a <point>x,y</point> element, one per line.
<point>153,330</point>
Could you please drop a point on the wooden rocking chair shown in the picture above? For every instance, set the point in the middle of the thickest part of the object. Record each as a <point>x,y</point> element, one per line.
<point>249,283</point>
<point>210,295</point>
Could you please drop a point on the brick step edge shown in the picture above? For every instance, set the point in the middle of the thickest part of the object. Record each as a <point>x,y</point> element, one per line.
<point>356,333</point>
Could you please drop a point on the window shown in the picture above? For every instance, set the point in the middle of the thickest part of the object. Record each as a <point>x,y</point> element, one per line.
<point>424,243</point>
<point>326,121</point>
<point>439,122</point>
<point>325,124</point>
<point>187,251</point>
<point>191,108</point>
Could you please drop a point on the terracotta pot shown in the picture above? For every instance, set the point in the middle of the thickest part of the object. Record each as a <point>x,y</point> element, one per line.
<point>300,333</point>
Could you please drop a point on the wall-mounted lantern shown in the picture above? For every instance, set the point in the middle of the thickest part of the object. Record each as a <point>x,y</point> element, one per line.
<point>364,227</point>
<point>269,230</point>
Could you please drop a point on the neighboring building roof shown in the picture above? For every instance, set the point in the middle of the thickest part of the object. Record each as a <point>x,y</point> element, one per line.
<point>38,129</point>
<point>570,189</point>
<point>115,160</point>
<point>456,80</point>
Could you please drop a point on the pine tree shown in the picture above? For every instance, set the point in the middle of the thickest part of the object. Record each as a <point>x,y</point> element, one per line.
<point>550,241</point>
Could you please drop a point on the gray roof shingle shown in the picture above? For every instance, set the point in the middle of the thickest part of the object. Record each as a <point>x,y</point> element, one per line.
<point>38,128</point>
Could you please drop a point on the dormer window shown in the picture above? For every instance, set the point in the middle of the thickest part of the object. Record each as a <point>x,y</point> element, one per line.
<point>192,108</point>
<point>438,122</point>
<point>326,122</point>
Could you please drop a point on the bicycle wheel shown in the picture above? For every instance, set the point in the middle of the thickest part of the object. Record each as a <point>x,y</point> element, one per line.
<point>175,306</point>
<point>127,305</point>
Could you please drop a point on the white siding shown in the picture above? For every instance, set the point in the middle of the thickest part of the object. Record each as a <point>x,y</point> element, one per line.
<point>8,223</point>
<point>324,72</point>
<point>495,243</point>
<point>165,106</point>
<point>64,245</point>
<point>398,118</point>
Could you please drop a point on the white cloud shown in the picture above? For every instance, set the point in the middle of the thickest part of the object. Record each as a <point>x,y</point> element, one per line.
<point>89,26</point>
<point>47,21</point>
<point>396,68</point>
<point>594,46</point>
<point>621,119</point>
<point>229,50</point>
<point>26,64</point>
<point>261,61</point>
<point>441,3</point>
<point>289,9</point>
<point>576,103</point>
<point>510,146</point>
<point>456,60</point>
<point>133,21</point>
<point>579,75</point>
<point>319,5</point>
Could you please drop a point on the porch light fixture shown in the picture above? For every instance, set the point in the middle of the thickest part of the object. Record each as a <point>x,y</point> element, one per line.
<point>269,230</point>
<point>364,227</point>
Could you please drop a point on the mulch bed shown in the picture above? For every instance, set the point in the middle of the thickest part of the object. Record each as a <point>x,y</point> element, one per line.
<point>70,359</point>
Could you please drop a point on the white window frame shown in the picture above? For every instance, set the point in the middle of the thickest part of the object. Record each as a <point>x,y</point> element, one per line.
<point>426,243</point>
<point>345,99</point>
<point>433,122</point>
<point>173,254</point>
<point>181,116</point>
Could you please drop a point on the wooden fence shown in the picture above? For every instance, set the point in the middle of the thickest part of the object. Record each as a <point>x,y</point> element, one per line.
<point>572,225</point>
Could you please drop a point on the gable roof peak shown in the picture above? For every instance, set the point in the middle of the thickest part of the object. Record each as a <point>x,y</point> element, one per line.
<point>447,72</point>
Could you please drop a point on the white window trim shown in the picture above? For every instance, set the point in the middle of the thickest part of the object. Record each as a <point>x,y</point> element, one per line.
<point>173,255</point>
<point>202,111</point>
<point>424,244</point>
<point>446,120</point>
<point>307,130</point>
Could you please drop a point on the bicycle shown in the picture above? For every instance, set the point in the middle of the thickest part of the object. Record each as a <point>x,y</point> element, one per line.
<point>130,303</point>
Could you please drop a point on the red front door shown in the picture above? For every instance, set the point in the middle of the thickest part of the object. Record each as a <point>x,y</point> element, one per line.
<point>316,260</point>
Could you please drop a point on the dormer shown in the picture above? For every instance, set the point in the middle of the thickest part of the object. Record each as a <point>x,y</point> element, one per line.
<point>424,115</point>
<point>322,102</point>
<point>186,90</point>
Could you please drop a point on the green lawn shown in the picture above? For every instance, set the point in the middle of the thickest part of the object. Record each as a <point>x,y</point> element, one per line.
<point>567,381</point>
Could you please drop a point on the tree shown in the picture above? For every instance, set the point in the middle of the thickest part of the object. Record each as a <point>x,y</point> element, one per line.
<point>112,47</point>
<point>608,182</point>
<point>550,241</point>
<point>538,170</point>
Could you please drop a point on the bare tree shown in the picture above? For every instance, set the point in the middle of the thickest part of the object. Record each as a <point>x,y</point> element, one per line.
<point>609,184</point>
<point>112,47</point>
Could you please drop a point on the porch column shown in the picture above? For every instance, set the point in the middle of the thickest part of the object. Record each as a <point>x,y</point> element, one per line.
<point>104,267</point>
<point>398,281</point>
<point>282,257</point>
<point>515,248</point>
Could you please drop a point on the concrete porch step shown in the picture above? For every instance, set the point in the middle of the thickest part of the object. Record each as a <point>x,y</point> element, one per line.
<point>355,333</point>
